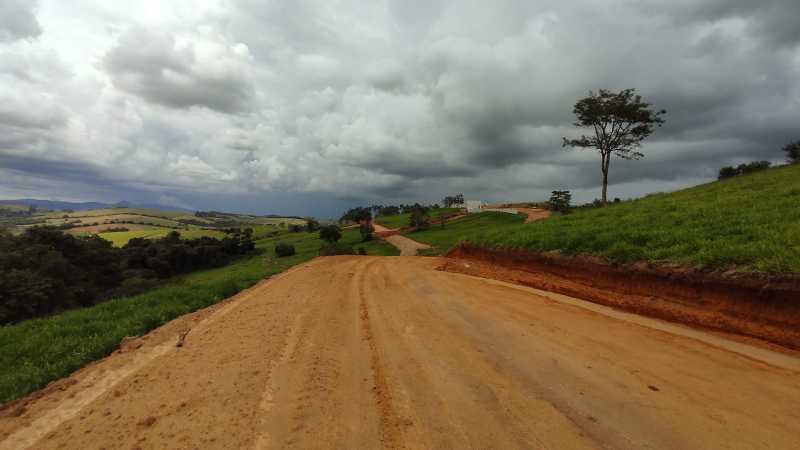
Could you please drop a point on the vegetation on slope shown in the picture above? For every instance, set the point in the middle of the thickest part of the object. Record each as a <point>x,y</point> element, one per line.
<point>750,222</point>
<point>443,239</point>
<point>35,352</point>
<point>402,220</point>
<point>120,238</point>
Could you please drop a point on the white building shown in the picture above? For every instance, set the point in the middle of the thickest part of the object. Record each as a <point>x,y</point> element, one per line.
<point>473,206</point>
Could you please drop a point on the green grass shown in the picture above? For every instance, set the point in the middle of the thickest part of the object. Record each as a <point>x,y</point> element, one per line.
<point>748,223</point>
<point>375,247</point>
<point>443,239</point>
<point>120,238</point>
<point>35,352</point>
<point>401,220</point>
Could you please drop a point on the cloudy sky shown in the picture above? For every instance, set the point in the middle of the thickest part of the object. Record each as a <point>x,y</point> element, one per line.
<point>306,106</point>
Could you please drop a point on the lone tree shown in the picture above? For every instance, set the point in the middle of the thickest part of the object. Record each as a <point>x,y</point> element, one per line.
<point>792,152</point>
<point>330,233</point>
<point>420,217</point>
<point>560,201</point>
<point>620,121</point>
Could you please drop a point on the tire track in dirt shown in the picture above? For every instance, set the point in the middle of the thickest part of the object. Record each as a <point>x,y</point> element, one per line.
<point>373,352</point>
<point>93,388</point>
<point>264,440</point>
<point>99,382</point>
<point>391,431</point>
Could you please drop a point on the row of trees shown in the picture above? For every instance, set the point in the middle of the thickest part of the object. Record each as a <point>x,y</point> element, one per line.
<point>44,270</point>
<point>394,210</point>
<point>743,169</point>
<point>453,200</point>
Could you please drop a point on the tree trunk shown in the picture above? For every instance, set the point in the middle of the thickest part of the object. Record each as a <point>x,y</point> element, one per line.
<point>606,163</point>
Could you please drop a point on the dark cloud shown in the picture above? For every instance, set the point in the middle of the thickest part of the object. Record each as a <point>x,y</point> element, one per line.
<point>397,101</point>
<point>774,21</point>
<point>18,20</point>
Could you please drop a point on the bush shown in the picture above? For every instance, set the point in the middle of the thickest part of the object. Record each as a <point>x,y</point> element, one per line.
<point>560,201</point>
<point>420,217</point>
<point>362,251</point>
<point>312,225</point>
<point>366,229</point>
<point>727,172</point>
<point>330,233</point>
<point>792,152</point>
<point>283,249</point>
<point>133,286</point>
<point>743,169</point>
<point>334,249</point>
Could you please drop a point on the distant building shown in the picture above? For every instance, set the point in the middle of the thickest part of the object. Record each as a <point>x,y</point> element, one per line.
<point>473,206</point>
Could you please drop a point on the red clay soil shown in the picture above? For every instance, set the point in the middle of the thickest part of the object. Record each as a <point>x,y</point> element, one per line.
<point>757,307</point>
<point>534,214</point>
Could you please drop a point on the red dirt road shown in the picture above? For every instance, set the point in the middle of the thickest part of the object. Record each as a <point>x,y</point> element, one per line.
<point>534,214</point>
<point>387,352</point>
<point>407,247</point>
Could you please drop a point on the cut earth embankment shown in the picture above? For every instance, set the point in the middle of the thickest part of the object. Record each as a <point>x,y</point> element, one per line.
<point>761,307</point>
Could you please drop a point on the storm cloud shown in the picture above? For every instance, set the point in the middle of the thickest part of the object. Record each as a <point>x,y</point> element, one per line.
<point>351,101</point>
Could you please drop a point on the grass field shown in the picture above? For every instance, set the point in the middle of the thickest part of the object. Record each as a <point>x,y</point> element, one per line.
<point>35,352</point>
<point>375,247</point>
<point>120,238</point>
<point>749,223</point>
<point>401,220</point>
<point>443,239</point>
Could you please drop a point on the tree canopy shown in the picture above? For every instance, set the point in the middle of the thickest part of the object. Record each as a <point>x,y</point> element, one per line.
<point>792,152</point>
<point>619,122</point>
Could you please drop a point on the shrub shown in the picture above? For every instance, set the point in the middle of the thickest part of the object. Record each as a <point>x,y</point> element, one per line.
<point>362,251</point>
<point>282,249</point>
<point>133,286</point>
<point>366,229</point>
<point>727,172</point>
<point>312,225</point>
<point>330,233</point>
<point>754,166</point>
<point>743,169</point>
<point>334,249</point>
<point>792,152</point>
<point>420,217</point>
<point>560,201</point>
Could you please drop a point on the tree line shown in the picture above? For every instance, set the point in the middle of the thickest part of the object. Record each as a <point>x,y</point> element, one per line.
<point>44,271</point>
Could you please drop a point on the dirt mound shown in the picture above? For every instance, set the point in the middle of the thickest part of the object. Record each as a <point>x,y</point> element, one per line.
<point>759,307</point>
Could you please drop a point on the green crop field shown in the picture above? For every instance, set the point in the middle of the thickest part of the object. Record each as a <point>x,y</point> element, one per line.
<point>120,238</point>
<point>748,223</point>
<point>443,239</point>
<point>401,220</point>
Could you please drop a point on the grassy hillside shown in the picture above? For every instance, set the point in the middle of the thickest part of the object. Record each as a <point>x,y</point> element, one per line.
<point>401,220</point>
<point>749,223</point>
<point>442,239</point>
<point>120,238</point>
<point>35,352</point>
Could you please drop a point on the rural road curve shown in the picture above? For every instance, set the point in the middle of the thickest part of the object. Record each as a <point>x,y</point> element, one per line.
<point>387,352</point>
<point>407,247</point>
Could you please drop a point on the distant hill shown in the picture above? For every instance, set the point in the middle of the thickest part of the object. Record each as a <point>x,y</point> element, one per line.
<point>55,205</point>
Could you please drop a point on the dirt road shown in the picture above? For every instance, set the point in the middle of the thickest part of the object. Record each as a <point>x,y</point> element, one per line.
<point>407,247</point>
<point>534,214</point>
<point>371,352</point>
